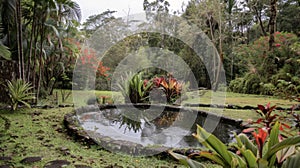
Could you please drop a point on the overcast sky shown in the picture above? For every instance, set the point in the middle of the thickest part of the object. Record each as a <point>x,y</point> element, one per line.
<point>92,7</point>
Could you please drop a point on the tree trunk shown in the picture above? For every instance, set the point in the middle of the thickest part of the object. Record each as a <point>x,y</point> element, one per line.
<point>221,58</point>
<point>32,41</point>
<point>42,38</point>
<point>272,24</point>
<point>258,16</point>
<point>37,28</point>
<point>20,39</point>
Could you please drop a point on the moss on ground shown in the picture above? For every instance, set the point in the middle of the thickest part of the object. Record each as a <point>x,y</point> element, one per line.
<point>40,132</point>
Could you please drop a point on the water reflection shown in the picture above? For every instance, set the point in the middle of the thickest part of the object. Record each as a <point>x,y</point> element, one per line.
<point>162,130</point>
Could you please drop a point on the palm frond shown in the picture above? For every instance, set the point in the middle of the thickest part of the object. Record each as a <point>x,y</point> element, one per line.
<point>4,52</point>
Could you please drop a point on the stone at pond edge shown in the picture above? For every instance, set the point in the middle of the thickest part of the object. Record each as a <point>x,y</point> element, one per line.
<point>57,163</point>
<point>31,159</point>
<point>5,158</point>
<point>82,166</point>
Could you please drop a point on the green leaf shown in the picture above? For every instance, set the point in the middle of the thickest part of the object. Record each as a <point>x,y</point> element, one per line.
<point>214,143</point>
<point>213,157</point>
<point>273,138</point>
<point>19,92</point>
<point>4,52</point>
<point>292,161</point>
<point>250,158</point>
<point>285,153</point>
<point>283,144</point>
<point>26,104</point>
<point>262,163</point>
<point>244,140</point>
<point>54,29</point>
<point>187,161</point>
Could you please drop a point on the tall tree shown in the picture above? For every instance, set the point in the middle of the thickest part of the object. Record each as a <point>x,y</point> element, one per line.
<point>210,17</point>
<point>288,18</point>
<point>46,24</point>
<point>94,22</point>
<point>272,24</point>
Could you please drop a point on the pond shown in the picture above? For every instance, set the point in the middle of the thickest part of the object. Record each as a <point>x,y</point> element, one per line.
<point>166,126</point>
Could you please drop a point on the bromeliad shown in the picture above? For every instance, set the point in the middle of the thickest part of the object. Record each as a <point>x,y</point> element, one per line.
<point>260,139</point>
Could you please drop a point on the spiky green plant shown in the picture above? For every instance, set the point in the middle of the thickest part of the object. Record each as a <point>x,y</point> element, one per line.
<point>273,153</point>
<point>135,89</point>
<point>19,92</point>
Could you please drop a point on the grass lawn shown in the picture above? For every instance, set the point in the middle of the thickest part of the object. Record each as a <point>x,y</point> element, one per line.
<point>232,113</point>
<point>39,132</point>
<point>230,98</point>
<point>79,97</point>
<point>240,99</point>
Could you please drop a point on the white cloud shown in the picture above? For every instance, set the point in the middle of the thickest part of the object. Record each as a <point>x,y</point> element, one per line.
<point>92,7</point>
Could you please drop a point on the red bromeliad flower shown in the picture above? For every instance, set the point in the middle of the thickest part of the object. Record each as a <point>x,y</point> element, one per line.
<point>260,139</point>
<point>158,80</point>
<point>283,125</point>
<point>145,82</point>
<point>277,45</point>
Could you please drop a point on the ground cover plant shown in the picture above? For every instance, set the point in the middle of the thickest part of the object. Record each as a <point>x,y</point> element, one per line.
<point>40,133</point>
<point>46,125</point>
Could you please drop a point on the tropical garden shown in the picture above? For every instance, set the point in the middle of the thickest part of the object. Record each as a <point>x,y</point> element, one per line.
<point>46,65</point>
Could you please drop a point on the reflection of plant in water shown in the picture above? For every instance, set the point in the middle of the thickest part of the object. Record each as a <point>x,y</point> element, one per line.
<point>87,117</point>
<point>166,119</point>
<point>130,124</point>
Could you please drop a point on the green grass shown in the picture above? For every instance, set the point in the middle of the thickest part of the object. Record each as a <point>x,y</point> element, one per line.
<point>80,97</point>
<point>239,99</point>
<point>38,135</point>
<point>232,113</point>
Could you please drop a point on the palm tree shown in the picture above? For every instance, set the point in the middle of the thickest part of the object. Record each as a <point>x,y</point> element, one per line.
<point>68,11</point>
<point>45,23</point>
<point>12,35</point>
<point>60,17</point>
<point>7,20</point>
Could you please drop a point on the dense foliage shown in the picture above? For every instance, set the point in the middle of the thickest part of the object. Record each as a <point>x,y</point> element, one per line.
<point>268,146</point>
<point>158,89</point>
<point>43,39</point>
<point>270,72</point>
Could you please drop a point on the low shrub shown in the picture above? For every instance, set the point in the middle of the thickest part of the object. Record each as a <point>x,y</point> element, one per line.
<point>20,92</point>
